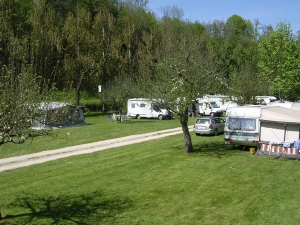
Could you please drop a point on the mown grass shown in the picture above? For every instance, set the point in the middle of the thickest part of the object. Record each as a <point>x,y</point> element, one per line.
<point>155,182</point>
<point>98,128</point>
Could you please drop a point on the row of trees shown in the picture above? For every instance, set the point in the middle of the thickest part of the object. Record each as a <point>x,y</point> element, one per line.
<point>122,45</point>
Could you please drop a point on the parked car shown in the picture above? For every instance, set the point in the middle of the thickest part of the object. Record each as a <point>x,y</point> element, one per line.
<point>209,126</point>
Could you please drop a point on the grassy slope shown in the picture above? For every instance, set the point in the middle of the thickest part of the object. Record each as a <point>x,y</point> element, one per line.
<point>155,183</point>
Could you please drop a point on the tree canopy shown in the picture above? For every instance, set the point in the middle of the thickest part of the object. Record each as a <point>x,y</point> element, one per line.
<point>123,46</point>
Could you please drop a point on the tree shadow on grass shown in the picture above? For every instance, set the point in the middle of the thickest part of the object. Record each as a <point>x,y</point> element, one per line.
<point>89,208</point>
<point>214,149</point>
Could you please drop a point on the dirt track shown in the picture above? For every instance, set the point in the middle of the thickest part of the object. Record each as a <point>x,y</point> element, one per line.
<point>45,156</point>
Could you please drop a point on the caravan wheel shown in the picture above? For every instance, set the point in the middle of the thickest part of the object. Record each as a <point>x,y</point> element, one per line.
<point>138,116</point>
<point>160,117</point>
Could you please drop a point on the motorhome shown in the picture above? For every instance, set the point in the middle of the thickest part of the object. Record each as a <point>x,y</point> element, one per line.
<point>223,101</point>
<point>242,126</point>
<point>265,100</point>
<point>146,108</point>
<point>208,108</point>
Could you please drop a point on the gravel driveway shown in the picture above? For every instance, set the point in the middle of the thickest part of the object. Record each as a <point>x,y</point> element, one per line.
<point>45,156</point>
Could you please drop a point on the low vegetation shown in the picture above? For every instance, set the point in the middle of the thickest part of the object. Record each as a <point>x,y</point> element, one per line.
<point>153,182</point>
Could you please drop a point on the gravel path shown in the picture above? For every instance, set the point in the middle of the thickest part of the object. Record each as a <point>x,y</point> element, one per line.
<point>45,156</point>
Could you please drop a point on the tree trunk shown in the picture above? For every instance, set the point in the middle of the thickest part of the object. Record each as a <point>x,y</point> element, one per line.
<point>120,115</point>
<point>186,133</point>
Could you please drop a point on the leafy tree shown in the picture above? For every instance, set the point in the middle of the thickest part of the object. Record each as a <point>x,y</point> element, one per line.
<point>44,42</point>
<point>13,16</point>
<point>240,26</point>
<point>78,56</point>
<point>235,47</point>
<point>105,36</point>
<point>184,72</point>
<point>117,91</point>
<point>248,83</point>
<point>21,95</point>
<point>279,62</point>
<point>220,44</point>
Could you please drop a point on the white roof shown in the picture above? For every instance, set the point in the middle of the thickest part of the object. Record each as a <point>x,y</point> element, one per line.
<point>52,105</point>
<point>244,111</point>
<point>55,105</point>
<point>280,115</point>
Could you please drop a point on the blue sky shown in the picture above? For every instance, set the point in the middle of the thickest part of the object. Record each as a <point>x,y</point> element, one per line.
<point>268,12</point>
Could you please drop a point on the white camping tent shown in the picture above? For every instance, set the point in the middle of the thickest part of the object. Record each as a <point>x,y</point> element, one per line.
<point>280,129</point>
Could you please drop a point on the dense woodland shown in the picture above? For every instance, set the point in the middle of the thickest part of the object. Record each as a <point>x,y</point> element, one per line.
<point>48,46</point>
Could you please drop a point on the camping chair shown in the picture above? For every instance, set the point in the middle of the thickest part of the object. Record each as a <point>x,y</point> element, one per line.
<point>281,148</point>
<point>109,118</point>
<point>263,146</point>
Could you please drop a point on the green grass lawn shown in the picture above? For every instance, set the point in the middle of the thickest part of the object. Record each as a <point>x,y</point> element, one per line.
<point>155,182</point>
<point>98,128</point>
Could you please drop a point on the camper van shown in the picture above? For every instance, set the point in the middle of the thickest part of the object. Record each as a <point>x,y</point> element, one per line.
<point>208,108</point>
<point>223,101</point>
<point>146,108</point>
<point>265,100</point>
<point>242,125</point>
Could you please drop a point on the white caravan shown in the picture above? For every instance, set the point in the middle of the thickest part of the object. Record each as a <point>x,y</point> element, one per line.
<point>146,108</point>
<point>242,126</point>
<point>208,108</point>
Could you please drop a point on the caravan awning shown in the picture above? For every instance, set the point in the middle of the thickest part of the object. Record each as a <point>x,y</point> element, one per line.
<point>280,115</point>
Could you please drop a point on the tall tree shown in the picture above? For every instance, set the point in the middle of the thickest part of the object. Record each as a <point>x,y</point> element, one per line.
<point>21,95</point>
<point>240,26</point>
<point>117,91</point>
<point>44,41</point>
<point>235,47</point>
<point>184,72</point>
<point>79,50</point>
<point>105,35</point>
<point>280,62</point>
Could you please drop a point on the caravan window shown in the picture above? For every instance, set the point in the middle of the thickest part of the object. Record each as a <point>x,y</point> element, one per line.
<point>248,124</point>
<point>132,105</point>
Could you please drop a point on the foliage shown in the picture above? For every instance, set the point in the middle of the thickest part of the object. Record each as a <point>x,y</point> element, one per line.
<point>21,96</point>
<point>182,77</point>
<point>239,26</point>
<point>280,62</point>
<point>91,105</point>
<point>118,91</point>
<point>79,45</point>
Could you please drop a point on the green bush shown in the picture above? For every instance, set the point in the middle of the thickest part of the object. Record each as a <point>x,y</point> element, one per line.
<point>93,105</point>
